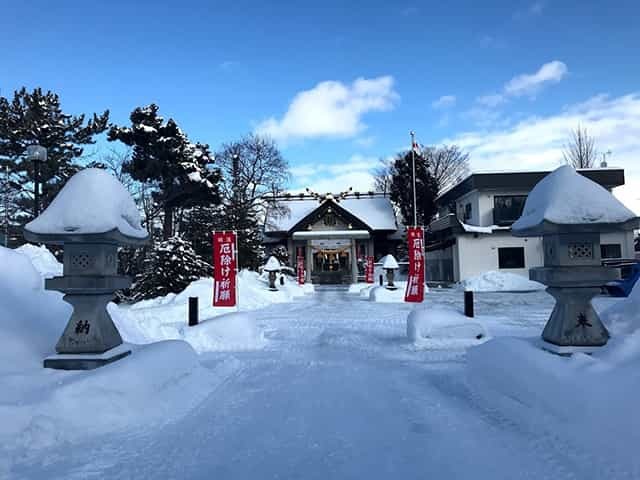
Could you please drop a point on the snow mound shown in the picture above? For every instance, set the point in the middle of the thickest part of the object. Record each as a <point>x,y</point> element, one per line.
<point>31,319</point>
<point>155,384</point>
<point>92,201</point>
<point>493,281</point>
<point>42,260</point>
<point>231,331</point>
<point>566,197</point>
<point>592,398</point>
<point>623,317</point>
<point>383,295</point>
<point>165,318</point>
<point>426,324</point>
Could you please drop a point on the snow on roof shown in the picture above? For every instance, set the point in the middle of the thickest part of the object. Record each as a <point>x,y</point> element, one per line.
<point>93,201</point>
<point>376,212</point>
<point>565,197</point>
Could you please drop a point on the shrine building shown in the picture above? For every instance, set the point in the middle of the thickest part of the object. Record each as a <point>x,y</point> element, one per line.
<point>334,233</point>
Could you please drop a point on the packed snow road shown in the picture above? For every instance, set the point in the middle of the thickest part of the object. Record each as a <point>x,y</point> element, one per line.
<point>337,393</point>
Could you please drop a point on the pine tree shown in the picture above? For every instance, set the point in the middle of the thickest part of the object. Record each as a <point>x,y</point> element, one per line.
<point>402,193</point>
<point>282,254</point>
<point>169,267</point>
<point>197,225</point>
<point>163,154</point>
<point>37,118</point>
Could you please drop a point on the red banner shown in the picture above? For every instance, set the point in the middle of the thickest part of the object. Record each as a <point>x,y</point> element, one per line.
<point>224,269</point>
<point>300,264</point>
<point>415,280</point>
<point>368,270</point>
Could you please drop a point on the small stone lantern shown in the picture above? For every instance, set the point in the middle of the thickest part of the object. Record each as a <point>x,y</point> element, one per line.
<point>273,267</point>
<point>570,212</point>
<point>91,216</point>
<point>390,265</point>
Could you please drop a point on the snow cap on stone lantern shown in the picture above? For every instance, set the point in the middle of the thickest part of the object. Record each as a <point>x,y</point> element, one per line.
<point>92,205</point>
<point>565,201</point>
<point>272,265</point>
<point>390,263</point>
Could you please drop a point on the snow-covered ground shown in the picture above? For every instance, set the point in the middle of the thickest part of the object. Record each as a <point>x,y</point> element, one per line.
<point>336,390</point>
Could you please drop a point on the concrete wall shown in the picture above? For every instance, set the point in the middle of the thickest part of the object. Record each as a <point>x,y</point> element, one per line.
<point>479,255</point>
<point>625,239</point>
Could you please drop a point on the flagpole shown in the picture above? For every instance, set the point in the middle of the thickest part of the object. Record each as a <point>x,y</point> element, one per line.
<point>413,168</point>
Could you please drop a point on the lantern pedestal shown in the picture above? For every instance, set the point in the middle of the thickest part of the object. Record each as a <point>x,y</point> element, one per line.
<point>86,361</point>
<point>574,325</point>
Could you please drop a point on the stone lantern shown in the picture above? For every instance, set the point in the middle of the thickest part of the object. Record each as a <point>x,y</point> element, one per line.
<point>273,267</point>
<point>569,212</point>
<point>91,216</point>
<point>390,265</point>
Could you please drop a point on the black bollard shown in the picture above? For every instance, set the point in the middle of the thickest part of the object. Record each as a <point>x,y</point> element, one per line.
<point>468,303</point>
<point>282,280</point>
<point>193,311</point>
<point>381,280</point>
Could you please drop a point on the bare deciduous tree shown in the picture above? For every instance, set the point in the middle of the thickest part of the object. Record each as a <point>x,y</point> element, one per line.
<point>382,175</point>
<point>580,152</point>
<point>448,164</point>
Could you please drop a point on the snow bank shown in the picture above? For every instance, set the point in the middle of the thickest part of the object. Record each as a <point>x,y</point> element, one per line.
<point>31,319</point>
<point>230,331</point>
<point>165,317</point>
<point>493,281</point>
<point>92,201</point>
<point>623,317</point>
<point>155,384</point>
<point>442,326</point>
<point>40,407</point>
<point>591,400</point>
<point>383,295</point>
<point>566,197</point>
<point>42,260</point>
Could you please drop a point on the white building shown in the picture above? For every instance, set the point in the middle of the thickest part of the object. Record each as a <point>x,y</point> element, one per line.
<point>472,233</point>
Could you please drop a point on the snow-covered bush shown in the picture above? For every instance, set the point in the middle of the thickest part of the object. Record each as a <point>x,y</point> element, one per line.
<point>169,267</point>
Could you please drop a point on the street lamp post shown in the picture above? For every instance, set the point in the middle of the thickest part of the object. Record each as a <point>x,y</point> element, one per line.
<point>37,154</point>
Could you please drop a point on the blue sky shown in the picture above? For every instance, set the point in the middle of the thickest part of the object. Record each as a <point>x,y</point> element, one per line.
<point>340,84</point>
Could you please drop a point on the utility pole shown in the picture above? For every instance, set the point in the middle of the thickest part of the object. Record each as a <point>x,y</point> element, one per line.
<point>413,176</point>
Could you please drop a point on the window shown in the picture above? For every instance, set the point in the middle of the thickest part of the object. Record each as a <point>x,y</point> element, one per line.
<point>507,208</point>
<point>511,257</point>
<point>467,212</point>
<point>611,250</point>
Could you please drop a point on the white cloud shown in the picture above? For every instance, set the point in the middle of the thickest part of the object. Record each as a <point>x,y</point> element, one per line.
<point>537,142</point>
<point>533,10</point>
<point>529,84</point>
<point>356,172</point>
<point>332,109</point>
<point>446,101</point>
<point>526,84</point>
<point>491,100</point>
